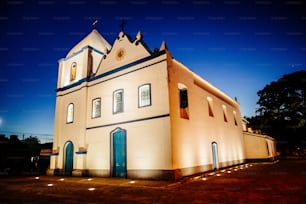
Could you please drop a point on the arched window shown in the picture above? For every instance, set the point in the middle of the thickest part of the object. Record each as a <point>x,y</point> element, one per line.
<point>118,101</point>
<point>96,108</point>
<point>144,95</point>
<point>210,105</point>
<point>183,96</point>
<point>73,71</point>
<point>70,110</point>
<point>224,113</point>
<point>235,121</point>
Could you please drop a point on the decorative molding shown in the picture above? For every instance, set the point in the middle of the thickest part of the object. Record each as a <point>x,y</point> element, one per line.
<point>129,121</point>
<point>81,50</point>
<point>88,79</point>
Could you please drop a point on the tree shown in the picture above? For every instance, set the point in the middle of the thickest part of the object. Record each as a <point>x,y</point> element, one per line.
<point>32,139</point>
<point>282,110</point>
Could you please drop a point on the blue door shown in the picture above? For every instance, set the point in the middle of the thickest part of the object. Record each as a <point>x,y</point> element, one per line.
<point>68,158</point>
<point>215,155</point>
<point>119,153</point>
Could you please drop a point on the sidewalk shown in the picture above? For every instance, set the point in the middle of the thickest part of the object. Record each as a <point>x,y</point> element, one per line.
<point>282,182</point>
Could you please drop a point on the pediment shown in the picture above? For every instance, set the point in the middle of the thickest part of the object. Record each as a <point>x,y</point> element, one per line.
<point>123,51</point>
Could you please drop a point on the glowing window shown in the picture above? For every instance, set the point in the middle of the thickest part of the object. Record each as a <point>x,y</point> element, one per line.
<point>70,113</point>
<point>183,96</point>
<point>144,95</point>
<point>224,113</point>
<point>96,108</point>
<point>118,101</point>
<point>210,103</point>
<point>73,71</point>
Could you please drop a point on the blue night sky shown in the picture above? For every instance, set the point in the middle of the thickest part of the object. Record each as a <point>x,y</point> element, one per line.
<point>238,46</point>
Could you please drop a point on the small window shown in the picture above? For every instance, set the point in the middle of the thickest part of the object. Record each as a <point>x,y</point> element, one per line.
<point>224,113</point>
<point>73,71</point>
<point>235,121</point>
<point>70,113</point>
<point>118,101</point>
<point>144,95</point>
<point>96,108</point>
<point>210,110</point>
<point>183,96</point>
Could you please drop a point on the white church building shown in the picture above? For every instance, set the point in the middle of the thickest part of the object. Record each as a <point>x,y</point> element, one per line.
<point>123,110</point>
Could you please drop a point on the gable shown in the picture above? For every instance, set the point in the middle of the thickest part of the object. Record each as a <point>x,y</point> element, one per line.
<point>124,51</point>
<point>93,39</point>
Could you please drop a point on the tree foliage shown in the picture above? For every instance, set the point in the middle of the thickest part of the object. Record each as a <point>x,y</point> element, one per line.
<point>282,109</point>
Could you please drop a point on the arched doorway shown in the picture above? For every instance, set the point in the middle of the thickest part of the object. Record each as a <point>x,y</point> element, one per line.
<point>214,147</point>
<point>118,153</point>
<point>68,162</point>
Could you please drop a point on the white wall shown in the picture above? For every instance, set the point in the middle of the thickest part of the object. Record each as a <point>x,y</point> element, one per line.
<point>259,146</point>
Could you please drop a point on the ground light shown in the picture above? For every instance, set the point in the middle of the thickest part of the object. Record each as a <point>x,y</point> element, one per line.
<point>196,178</point>
<point>132,181</point>
<point>50,184</point>
<point>91,189</point>
<point>37,177</point>
<point>62,179</point>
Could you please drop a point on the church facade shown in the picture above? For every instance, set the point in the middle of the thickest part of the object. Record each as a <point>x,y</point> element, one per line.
<point>123,110</point>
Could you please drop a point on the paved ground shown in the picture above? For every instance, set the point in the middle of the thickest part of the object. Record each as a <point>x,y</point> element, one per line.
<point>281,182</point>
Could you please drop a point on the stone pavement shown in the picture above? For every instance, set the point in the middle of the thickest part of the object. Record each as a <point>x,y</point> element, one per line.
<point>280,182</point>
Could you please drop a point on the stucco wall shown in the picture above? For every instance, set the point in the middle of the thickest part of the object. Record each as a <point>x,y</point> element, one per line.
<point>147,128</point>
<point>192,138</point>
<point>259,147</point>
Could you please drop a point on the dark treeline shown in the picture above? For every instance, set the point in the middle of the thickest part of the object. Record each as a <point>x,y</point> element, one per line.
<point>282,113</point>
<point>20,157</point>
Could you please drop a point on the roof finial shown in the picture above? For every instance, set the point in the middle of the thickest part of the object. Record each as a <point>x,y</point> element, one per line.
<point>122,24</point>
<point>94,23</point>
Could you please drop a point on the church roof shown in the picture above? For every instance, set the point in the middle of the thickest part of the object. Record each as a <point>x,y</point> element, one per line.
<point>93,39</point>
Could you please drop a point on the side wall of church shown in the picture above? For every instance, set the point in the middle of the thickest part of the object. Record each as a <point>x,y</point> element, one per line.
<point>259,147</point>
<point>198,127</point>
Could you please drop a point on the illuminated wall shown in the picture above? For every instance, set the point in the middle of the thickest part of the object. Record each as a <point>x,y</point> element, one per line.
<point>172,123</point>
<point>259,147</point>
<point>192,136</point>
<point>147,127</point>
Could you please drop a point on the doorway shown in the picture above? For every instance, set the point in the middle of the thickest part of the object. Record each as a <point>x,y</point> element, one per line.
<point>118,160</point>
<point>68,166</point>
<point>214,146</point>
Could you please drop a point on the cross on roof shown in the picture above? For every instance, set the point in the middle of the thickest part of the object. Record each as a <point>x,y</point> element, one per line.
<point>94,23</point>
